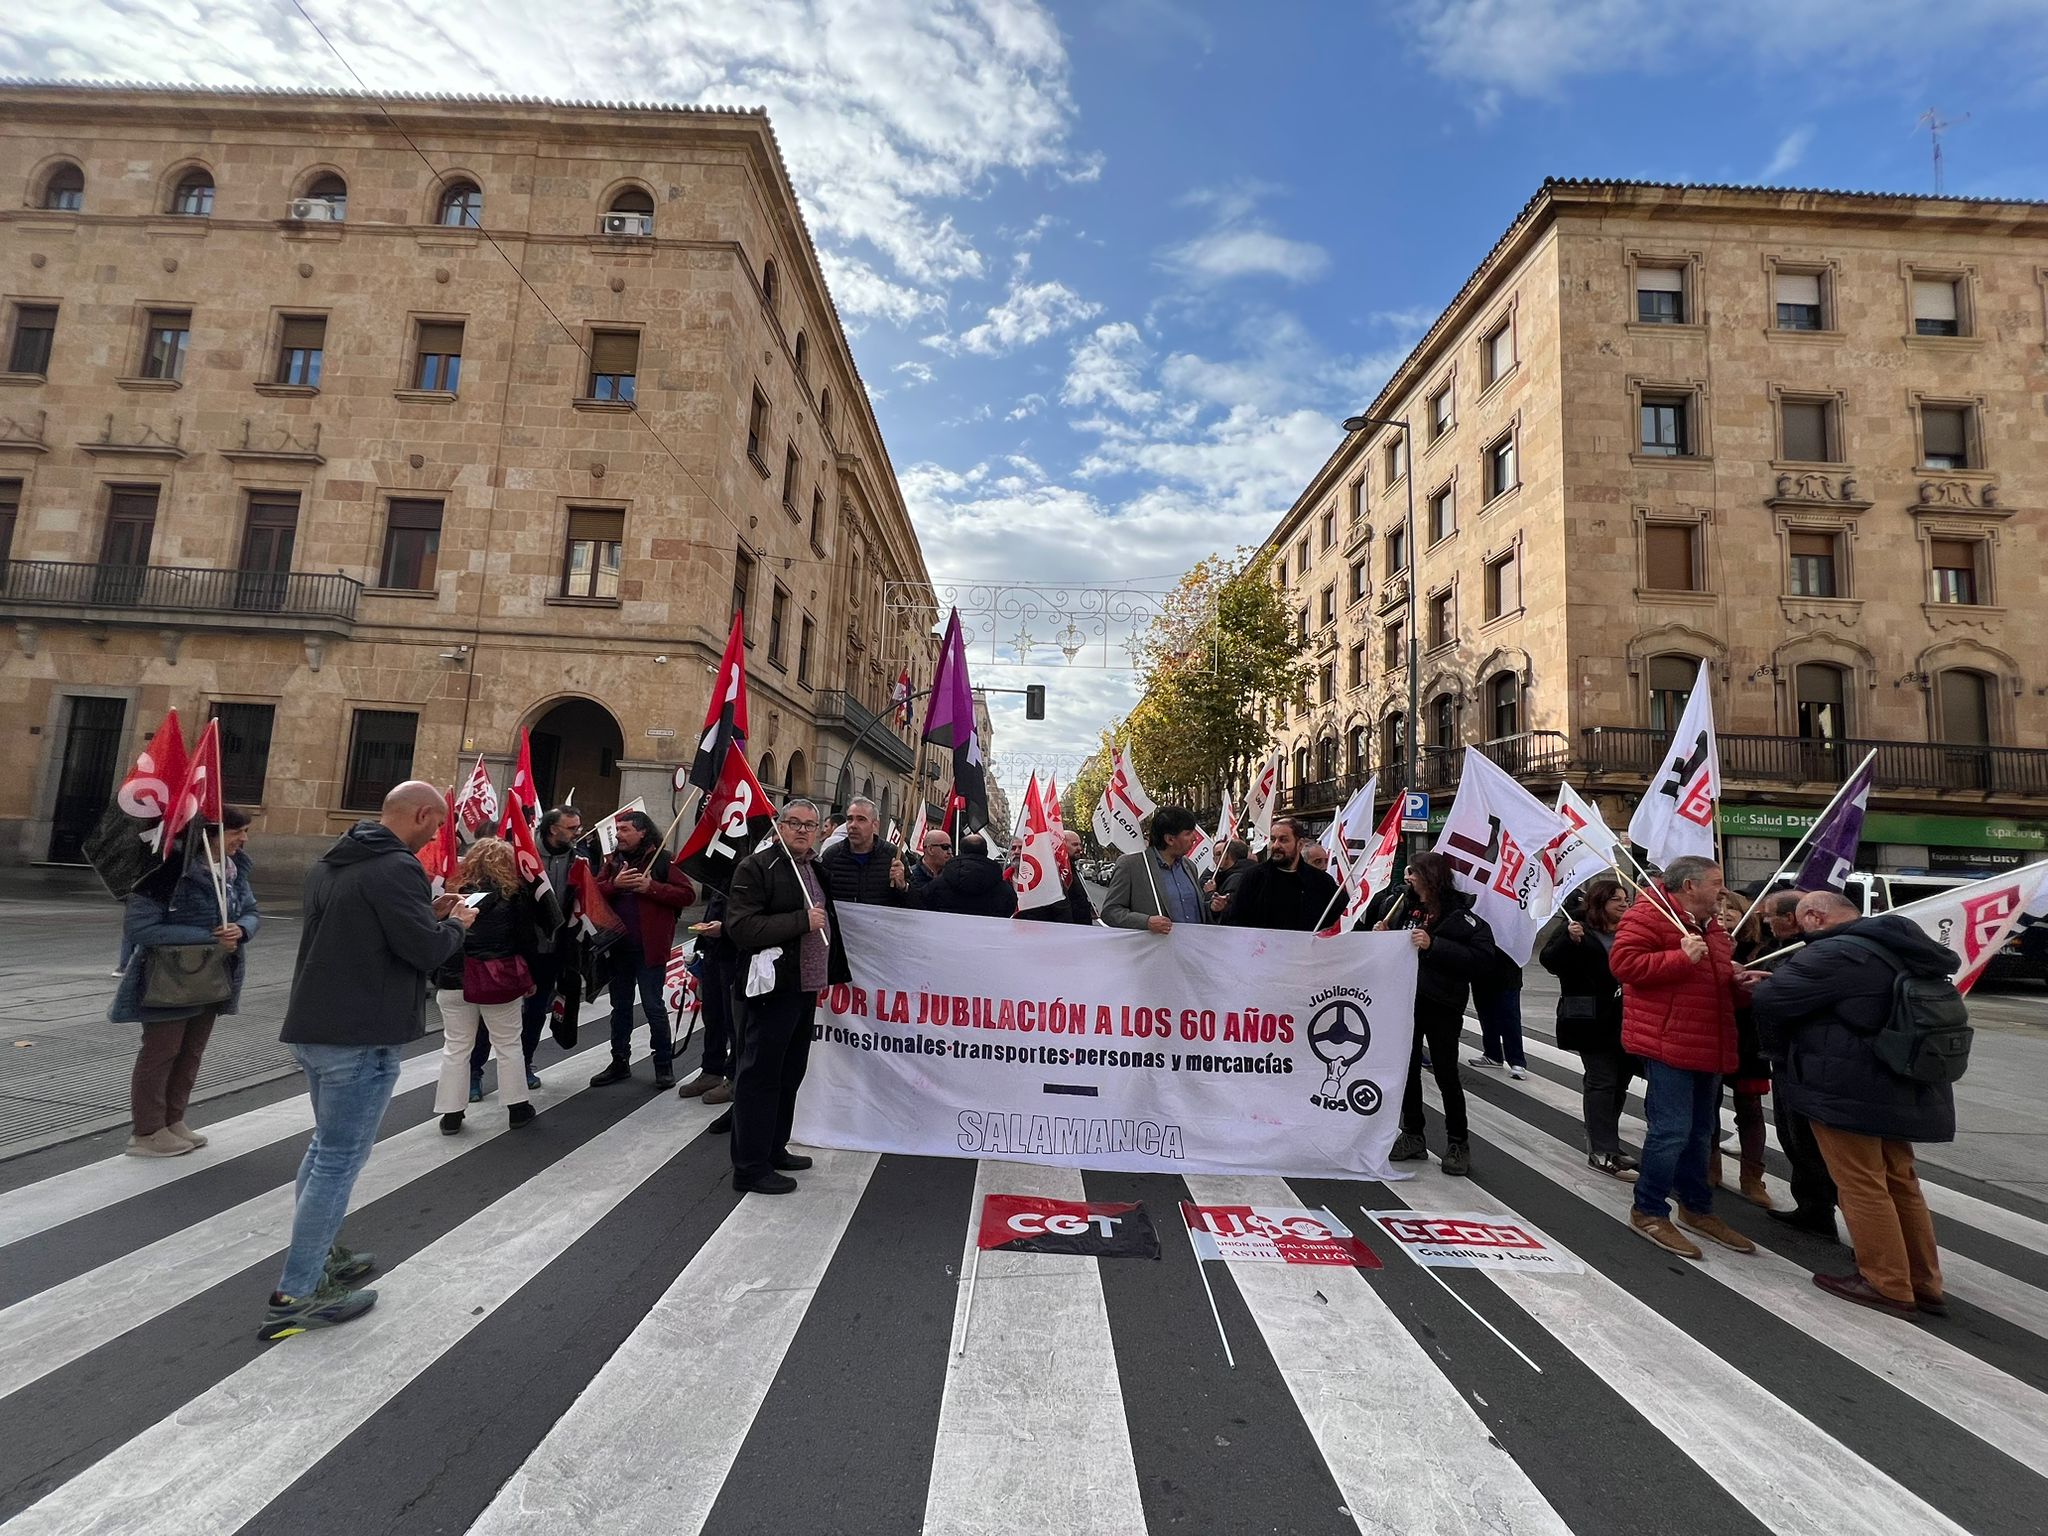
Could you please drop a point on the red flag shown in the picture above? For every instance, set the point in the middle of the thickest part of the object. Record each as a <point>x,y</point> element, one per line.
<point>955,803</point>
<point>592,910</point>
<point>725,719</point>
<point>521,791</point>
<point>901,694</point>
<point>198,797</point>
<point>478,806</point>
<point>514,830</point>
<point>736,816</point>
<point>440,857</point>
<point>128,842</point>
<point>1052,804</point>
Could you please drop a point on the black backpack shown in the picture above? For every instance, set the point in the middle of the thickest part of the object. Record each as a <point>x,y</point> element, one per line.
<point>1926,1038</point>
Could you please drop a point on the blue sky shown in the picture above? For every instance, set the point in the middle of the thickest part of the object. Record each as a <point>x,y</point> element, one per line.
<point>1115,270</point>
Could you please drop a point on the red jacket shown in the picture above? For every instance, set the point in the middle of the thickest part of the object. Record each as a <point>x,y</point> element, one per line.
<point>659,903</point>
<point>1673,1010</point>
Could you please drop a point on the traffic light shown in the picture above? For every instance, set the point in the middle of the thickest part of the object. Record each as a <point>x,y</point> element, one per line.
<point>1034,702</point>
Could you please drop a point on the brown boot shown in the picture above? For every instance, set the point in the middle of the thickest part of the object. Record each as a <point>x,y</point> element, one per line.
<point>722,1094</point>
<point>1754,1189</point>
<point>158,1144</point>
<point>1714,1229</point>
<point>699,1085</point>
<point>1658,1229</point>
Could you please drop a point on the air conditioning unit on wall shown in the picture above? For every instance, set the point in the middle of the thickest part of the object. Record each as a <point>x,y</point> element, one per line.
<point>313,210</point>
<point>628,224</point>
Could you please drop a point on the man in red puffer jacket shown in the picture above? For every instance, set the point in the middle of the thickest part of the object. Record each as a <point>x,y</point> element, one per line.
<point>1676,966</point>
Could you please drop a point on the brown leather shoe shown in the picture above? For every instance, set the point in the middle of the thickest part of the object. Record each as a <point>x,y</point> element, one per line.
<point>1933,1306</point>
<point>1755,1191</point>
<point>1715,1230</point>
<point>722,1094</point>
<point>1859,1290</point>
<point>1658,1229</point>
<point>698,1086</point>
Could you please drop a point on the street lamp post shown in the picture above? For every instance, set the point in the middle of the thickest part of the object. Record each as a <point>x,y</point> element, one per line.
<point>1409,725</point>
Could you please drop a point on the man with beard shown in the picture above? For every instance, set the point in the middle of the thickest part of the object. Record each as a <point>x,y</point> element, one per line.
<point>1285,891</point>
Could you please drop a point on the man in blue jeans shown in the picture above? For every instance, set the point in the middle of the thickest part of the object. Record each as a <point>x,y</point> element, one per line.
<point>372,934</point>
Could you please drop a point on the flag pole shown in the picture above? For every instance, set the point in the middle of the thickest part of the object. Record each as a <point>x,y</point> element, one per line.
<point>696,794</point>
<point>1646,887</point>
<point>1806,837</point>
<point>967,1316</point>
<point>1224,1338</point>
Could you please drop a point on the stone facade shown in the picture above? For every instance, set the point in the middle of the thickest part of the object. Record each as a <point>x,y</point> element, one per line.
<point>1705,465</point>
<point>649,359</point>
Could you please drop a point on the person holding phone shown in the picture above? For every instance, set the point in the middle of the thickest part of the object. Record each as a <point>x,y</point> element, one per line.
<point>483,986</point>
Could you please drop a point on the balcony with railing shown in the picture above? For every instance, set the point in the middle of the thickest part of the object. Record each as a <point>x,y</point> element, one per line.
<point>1925,767</point>
<point>844,715</point>
<point>178,596</point>
<point>1528,755</point>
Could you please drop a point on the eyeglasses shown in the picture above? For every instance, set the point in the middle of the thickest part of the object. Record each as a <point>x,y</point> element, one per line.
<point>799,826</point>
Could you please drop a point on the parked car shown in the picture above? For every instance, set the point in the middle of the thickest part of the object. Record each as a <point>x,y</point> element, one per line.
<point>2024,955</point>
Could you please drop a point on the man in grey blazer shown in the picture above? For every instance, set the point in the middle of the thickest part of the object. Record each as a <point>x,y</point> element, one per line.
<point>1154,898</point>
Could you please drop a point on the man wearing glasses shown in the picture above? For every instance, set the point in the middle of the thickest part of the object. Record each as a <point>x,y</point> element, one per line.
<point>778,905</point>
<point>937,850</point>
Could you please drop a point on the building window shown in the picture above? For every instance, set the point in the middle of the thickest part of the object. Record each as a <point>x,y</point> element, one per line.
<point>1443,514</point>
<point>1955,570</point>
<point>1660,295</point>
<point>590,563</point>
<point>1326,684</point>
<point>1397,550</point>
<point>163,345</point>
<point>1966,712</point>
<point>1302,624</point>
<point>1807,430</point>
<point>64,188</point>
<point>301,344</point>
<point>440,356</point>
<point>1357,748</point>
<point>10,514</point>
<point>244,750</point>
<point>1393,742</point>
<point>1357,673</point>
<point>193,198</point>
<point>1355,497</point>
<point>1280,573</point>
<point>778,618</point>
<point>806,632</point>
<point>35,333</point>
<point>1497,354</point>
<point>817,521</point>
<point>1813,564</point>
<point>1440,413</point>
<point>771,285</point>
<point>1396,647</point>
<point>757,431</point>
<point>131,527</point>
<point>1500,466</point>
<point>825,412</point>
<point>803,356</point>
<point>1671,557</point>
<point>1442,625</point>
<point>1503,586</point>
<point>1358,582</point>
<point>412,546</point>
<point>789,463</point>
<point>1819,691</point>
<point>1443,720</point>
<point>631,213</point>
<point>268,536</point>
<point>462,206</point>
<point>1301,556</point>
<point>1397,460</point>
<point>1330,605</point>
<point>1937,310</point>
<point>1301,768</point>
<point>614,365</point>
<point>1945,437</point>
<point>380,744</point>
<point>742,587</point>
<point>1504,705</point>
<point>333,191</point>
<point>1798,298</point>
<point>1329,529</point>
<point>1666,426</point>
<point>1671,680</point>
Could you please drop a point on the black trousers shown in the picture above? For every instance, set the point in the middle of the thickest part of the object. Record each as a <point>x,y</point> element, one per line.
<point>1813,1188</point>
<point>774,1049</point>
<point>714,996</point>
<point>1604,1085</point>
<point>1443,1029</point>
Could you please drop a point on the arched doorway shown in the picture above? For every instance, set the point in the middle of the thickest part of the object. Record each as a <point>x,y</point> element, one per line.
<point>766,772</point>
<point>576,749</point>
<point>796,777</point>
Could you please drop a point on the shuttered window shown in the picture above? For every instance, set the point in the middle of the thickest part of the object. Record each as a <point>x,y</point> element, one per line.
<point>1669,565</point>
<point>1935,311</point>
<point>1946,434</point>
<point>614,365</point>
<point>1813,565</point>
<point>590,564</point>
<point>1797,295</point>
<point>1955,570</point>
<point>1806,431</point>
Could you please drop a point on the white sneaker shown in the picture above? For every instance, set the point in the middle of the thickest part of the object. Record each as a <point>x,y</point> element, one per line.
<point>1483,1061</point>
<point>1517,1072</point>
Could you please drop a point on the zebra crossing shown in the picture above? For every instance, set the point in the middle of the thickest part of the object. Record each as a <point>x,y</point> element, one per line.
<point>582,1328</point>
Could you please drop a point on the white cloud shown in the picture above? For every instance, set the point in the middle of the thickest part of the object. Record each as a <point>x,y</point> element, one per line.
<point>1028,407</point>
<point>860,292</point>
<point>1030,313</point>
<point>913,373</point>
<point>1108,369</point>
<point>1223,254</point>
<point>1790,151</point>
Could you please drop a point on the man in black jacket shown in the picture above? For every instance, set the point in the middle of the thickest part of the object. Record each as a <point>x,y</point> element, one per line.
<point>1820,1013</point>
<point>1074,905</point>
<point>372,933</point>
<point>860,867</point>
<point>972,884</point>
<point>1286,891</point>
<point>1813,1188</point>
<point>777,904</point>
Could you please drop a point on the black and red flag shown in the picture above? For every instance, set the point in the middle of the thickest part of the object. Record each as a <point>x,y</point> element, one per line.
<point>735,817</point>
<point>725,720</point>
<point>197,797</point>
<point>1032,1224</point>
<point>128,843</point>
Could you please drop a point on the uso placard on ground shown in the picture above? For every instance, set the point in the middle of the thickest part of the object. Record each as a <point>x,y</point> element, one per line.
<point>1034,1224</point>
<point>1473,1240</point>
<point>1273,1234</point>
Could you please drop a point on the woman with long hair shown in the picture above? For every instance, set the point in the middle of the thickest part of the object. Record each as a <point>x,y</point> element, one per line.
<point>483,986</point>
<point>1589,1017</point>
<point>647,892</point>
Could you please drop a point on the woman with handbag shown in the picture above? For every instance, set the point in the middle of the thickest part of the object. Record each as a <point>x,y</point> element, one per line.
<point>190,972</point>
<point>484,985</point>
<point>1589,1018</point>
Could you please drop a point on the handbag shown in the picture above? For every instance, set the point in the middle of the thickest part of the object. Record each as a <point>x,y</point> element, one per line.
<point>504,979</point>
<point>1577,1018</point>
<point>186,976</point>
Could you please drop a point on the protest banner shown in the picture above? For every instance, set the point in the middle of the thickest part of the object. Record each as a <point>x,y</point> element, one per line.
<point>1474,1240</point>
<point>1221,1051</point>
<point>1036,1224</point>
<point>1273,1234</point>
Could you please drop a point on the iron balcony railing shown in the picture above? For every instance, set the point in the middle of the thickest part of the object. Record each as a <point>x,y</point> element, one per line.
<point>1635,751</point>
<point>1306,799</point>
<point>1528,755</point>
<point>840,711</point>
<point>159,589</point>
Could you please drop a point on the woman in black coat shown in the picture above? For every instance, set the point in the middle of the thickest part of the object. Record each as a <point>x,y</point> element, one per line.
<point>481,988</point>
<point>1589,1017</point>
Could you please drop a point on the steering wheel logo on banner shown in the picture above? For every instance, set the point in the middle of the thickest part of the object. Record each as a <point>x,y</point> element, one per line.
<point>1340,1034</point>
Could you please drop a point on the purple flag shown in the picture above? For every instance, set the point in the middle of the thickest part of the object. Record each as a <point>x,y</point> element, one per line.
<point>1831,855</point>
<point>950,720</point>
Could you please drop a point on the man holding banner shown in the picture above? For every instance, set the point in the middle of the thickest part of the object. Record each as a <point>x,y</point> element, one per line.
<point>1155,887</point>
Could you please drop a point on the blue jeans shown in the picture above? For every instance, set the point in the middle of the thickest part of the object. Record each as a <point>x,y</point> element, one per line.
<point>1500,1025</point>
<point>350,1086</point>
<point>1682,1109</point>
<point>631,972</point>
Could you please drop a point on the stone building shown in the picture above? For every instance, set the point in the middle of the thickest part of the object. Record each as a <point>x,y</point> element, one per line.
<point>381,429</point>
<point>1798,435</point>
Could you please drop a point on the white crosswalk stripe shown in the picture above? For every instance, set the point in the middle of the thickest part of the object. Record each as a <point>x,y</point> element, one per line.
<point>1047,1422</point>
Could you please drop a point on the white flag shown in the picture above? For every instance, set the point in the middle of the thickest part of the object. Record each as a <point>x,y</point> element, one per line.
<point>1376,865</point>
<point>1584,849</point>
<point>1976,919</point>
<point>1354,823</point>
<point>1258,807</point>
<point>1494,839</point>
<point>1676,817</point>
<point>1037,876</point>
<point>895,833</point>
<point>917,831</point>
<point>1338,917</point>
<point>607,829</point>
<point>1120,814</point>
